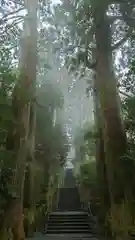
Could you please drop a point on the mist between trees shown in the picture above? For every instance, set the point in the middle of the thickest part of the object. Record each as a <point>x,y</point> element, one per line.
<point>67,95</point>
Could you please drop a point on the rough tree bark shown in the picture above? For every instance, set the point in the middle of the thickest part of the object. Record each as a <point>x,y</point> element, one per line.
<point>100,157</point>
<point>23,96</point>
<point>115,143</point>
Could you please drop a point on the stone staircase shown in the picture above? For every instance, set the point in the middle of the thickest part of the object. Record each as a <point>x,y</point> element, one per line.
<point>69,199</point>
<point>70,223</point>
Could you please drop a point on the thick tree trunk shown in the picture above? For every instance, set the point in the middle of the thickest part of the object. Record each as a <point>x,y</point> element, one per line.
<point>23,103</point>
<point>22,154</point>
<point>31,208</point>
<point>103,188</point>
<point>13,219</point>
<point>115,144</point>
<point>25,93</point>
<point>29,201</point>
<point>119,173</point>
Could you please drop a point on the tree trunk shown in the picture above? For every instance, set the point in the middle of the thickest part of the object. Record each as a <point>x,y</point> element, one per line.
<point>115,144</point>
<point>23,97</point>
<point>103,189</point>
<point>13,219</point>
<point>25,93</point>
<point>29,201</point>
<point>31,208</point>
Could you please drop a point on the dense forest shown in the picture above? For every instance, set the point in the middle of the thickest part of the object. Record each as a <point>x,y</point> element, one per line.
<point>95,42</point>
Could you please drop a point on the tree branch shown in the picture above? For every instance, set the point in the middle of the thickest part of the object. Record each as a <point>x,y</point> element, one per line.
<point>120,1</point>
<point>114,18</point>
<point>125,94</point>
<point>123,40</point>
<point>39,105</point>
<point>4,18</point>
<point>91,65</point>
<point>17,3</point>
<point>127,10</point>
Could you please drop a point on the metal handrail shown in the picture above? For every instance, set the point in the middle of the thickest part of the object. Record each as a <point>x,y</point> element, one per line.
<point>89,209</point>
<point>92,216</point>
<point>46,221</point>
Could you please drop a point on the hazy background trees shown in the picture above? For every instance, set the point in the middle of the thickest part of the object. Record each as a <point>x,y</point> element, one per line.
<point>84,83</point>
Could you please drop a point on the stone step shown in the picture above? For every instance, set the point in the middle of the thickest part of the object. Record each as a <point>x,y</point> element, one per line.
<point>61,231</point>
<point>69,213</point>
<point>69,198</point>
<point>78,221</point>
<point>69,223</point>
<point>71,236</point>
<point>68,227</point>
<point>72,224</point>
<point>68,217</point>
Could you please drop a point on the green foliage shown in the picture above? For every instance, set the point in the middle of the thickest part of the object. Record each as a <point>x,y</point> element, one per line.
<point>128,101</point>
<point>87,173</point>
<point>8,78</point>
<point>127,82</point>
<point>122,220</point>
<point>84,143</point>
<point>29,214</point>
